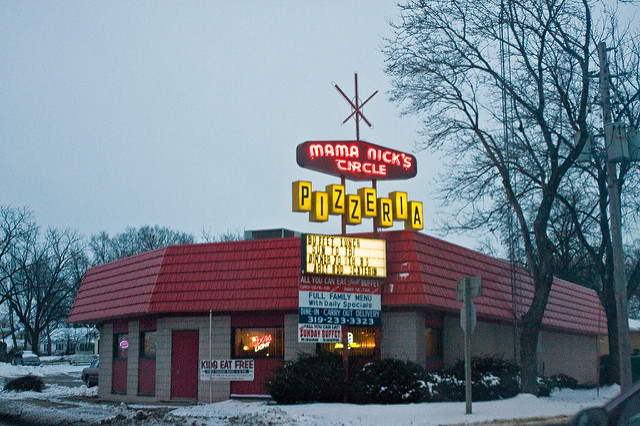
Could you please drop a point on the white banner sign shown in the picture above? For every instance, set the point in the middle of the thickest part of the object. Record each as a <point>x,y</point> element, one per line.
<point>226,369</point>
<point>319,333</point>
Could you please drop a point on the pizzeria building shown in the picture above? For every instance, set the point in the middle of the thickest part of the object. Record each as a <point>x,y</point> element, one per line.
<point>171,317</point>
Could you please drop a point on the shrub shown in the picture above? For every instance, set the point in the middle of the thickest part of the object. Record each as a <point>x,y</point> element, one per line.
<point>390,381</point>
<point>25,383</point>
<point>492,378</point>
<point>544,387</point>
<point>310,378</point>
<point>562,381</point>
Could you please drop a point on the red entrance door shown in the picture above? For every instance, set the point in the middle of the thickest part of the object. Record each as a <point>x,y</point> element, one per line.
<point>184,364</point>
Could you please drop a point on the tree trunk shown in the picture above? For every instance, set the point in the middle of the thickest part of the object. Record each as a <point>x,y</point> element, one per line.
<point>529,354</point>
<point>532,319</point>
<point>48,340</point>
<point>35,342</point>
<point>13,327</point>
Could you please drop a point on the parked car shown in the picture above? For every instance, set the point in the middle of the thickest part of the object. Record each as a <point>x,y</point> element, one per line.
<point>25,358</point>
<point>621,410</point>
<point>90,374</point>
<point>83,357</point>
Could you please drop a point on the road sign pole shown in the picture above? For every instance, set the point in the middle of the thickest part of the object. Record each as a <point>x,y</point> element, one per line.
<point>345,362</point>
<point>467,289</point>
<point>467,345</point>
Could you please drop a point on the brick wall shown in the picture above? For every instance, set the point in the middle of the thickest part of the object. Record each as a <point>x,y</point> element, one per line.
<point>403,336</point>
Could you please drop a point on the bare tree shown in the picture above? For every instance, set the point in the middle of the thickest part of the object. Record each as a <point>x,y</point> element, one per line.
<point>16,224</point>
<point>502,86</point>
<point>585,196</point>
<point>46,277</point>
<point>208,236</point>
<point>133,241</point>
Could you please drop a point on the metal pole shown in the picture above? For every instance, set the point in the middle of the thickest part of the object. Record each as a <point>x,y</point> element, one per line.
<point>345,362</point>
<point>343,182</point>
<point>467,345</point>
<point>210,356</point>
<point>355,78</point>
<point>619,278</point>
<point>375,219</point>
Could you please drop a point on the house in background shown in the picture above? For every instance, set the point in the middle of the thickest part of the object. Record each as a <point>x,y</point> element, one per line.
<point>70,340</point>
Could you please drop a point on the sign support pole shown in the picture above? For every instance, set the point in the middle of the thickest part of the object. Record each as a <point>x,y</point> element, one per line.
<point>210,357</point>
<point>358,115</point>
<point>343,182</point>
<point>467,346</point>
<point>467,289</point>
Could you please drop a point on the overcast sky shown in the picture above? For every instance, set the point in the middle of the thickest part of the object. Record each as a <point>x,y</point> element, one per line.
<point>188,114</point>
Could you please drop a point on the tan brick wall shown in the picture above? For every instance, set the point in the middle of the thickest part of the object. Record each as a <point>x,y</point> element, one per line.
<point>106,361</point>
<point>569,354</point>
<point>220,349</point>
<point>558,352</point>
<point>488,339</point>
<point>403,336</point>
<point>132,359</point>
<point>293,348</point>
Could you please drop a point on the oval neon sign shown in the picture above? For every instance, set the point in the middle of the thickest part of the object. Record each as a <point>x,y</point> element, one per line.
<point>356,160</point>
<point>124,344</point>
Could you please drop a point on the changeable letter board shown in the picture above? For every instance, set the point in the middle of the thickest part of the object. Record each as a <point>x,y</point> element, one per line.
<point>348,256</point>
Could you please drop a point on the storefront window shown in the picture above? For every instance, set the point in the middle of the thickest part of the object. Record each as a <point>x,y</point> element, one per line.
<point>258,342</point>
<point>361,341</point>
<point>120,345</point>
<point>433,338</point>
<point>148,344</point>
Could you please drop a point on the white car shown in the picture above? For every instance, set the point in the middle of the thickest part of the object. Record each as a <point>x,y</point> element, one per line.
<point>25,358</point>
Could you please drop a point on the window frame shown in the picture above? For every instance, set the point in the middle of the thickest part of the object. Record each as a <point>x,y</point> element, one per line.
<point>353,352</point>
<point>143,346</point>
<point>117,338</point>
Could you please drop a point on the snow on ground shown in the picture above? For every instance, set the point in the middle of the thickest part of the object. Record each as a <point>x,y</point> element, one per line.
<point>81,405</point>
<point>561,403</point>
<point>8,370</point>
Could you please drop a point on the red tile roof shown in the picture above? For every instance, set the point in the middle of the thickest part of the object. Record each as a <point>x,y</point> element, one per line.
<point>423,271</point>
<point>260,275</point>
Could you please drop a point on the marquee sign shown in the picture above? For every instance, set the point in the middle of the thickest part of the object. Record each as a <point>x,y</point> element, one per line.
<point>338,255</point>
<point>356,160</point>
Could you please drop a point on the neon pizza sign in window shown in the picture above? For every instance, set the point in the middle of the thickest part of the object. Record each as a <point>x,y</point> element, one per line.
<point>356,160</point>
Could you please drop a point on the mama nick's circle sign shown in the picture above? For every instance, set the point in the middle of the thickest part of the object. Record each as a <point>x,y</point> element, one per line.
<point>356,160</point>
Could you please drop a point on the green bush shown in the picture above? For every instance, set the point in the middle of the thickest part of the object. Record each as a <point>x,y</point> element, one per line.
<point>544,387</point>
<point>390,381</point>
<point>310,378</point>
<point>25,383</point>
<point>562,381</point>
<point>319,378</point>
<point>492,378</point>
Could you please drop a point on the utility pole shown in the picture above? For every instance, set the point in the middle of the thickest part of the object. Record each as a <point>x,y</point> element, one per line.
<point>619,276</point>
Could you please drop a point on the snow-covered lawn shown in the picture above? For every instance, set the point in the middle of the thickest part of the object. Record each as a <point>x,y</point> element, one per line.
<point>79,404</point>
<point>10,371</point>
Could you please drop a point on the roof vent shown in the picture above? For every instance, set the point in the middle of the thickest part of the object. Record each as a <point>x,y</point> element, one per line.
<point>263,234</point>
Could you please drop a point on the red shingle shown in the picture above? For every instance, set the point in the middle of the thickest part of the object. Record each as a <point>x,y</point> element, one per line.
<point>264,274</point>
